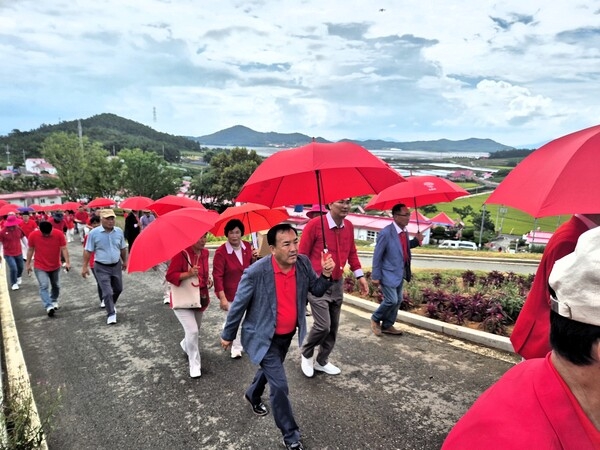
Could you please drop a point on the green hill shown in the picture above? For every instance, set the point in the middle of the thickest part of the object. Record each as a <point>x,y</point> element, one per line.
<point>114,132</point>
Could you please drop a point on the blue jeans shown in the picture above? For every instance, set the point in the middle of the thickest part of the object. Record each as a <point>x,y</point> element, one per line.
<point>49,285</point>
<point>15,267</point>
<point>272,371</point>
<point>388,309</point>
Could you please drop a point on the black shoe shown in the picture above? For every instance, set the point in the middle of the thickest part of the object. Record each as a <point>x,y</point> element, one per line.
<point>295,446</point>
<point>258,408</point>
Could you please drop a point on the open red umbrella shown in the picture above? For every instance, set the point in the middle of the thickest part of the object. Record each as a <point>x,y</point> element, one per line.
<point>54,207</point>
<point>171,203</point>
<point>136,203</point>
<point>101,202</point>
<point>71,206</point>
<point>317,173</point>
<point>255,217</point>
<point>417,191</point>
<point>36,207</point>
<point>168,235</point>
<point>560,177</point>
<point>8,208</point>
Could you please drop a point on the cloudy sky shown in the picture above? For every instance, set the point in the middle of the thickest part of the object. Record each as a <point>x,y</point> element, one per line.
<point>519,72</point>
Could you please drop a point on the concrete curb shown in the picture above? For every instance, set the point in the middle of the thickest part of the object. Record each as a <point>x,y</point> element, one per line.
<point>467,334</point>
<point>16,369</point>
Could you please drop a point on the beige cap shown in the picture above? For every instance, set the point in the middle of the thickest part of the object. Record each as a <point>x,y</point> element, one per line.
<point>575,280</point>
<point>104,213</point>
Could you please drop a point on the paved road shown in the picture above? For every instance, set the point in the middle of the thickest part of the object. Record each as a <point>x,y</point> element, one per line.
<point>127,387</point>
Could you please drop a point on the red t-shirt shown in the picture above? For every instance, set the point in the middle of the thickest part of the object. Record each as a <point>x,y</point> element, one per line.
<point>11,240</point>
<point>28,227</point>
<point>81,217</point>
<point>47,249</point>
<point>92,254</point>
<point>287,309</point>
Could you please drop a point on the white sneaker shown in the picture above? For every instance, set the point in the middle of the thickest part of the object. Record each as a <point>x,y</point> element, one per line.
<point>102,305</point>
<point>166,300</point>
<point>112,319</point>
<point>307,366</point>
<point>55,305</point>
<point>19,281</point>
<point>195,373</point>
<point>328,368</point>
<point>236,354</point>
<point>15,287</point>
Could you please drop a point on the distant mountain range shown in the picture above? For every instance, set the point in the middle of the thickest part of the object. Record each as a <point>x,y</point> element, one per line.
<point>243,136</point>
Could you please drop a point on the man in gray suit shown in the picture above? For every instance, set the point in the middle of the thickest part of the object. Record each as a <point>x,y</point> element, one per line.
<point>272,295</point>
<point>391,266</point>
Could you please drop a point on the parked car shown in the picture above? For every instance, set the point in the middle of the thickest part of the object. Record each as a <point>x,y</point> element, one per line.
<point>458,245</point>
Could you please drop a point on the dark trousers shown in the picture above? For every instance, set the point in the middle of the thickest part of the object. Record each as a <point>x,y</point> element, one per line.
<point>272,371</point>
<point>97,284</point>
<point>110,280</point>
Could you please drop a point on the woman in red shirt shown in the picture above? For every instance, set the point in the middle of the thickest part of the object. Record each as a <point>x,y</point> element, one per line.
<point>229,263</point>
<point>10,238</point>
<point>191,262</point>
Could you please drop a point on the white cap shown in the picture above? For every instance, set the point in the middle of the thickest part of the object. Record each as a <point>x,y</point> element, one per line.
<point>575,280</point>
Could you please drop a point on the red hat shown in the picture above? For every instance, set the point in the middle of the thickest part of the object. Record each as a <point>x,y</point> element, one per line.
<point>316,210</point>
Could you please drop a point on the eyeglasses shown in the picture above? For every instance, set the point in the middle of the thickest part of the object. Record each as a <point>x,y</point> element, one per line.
<point>402,215</point>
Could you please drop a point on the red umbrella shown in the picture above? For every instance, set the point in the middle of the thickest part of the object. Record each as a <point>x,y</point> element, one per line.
<point>36,207</point>
<point>171,203</point>
<point>168,235</point>
<point>3,202</point>
<point>8,208</point>
<point>54,207</point>
<point>255,217</point>
<point>317,173</point>
<point>417,191</point>
<point>71,206</point>
<point>136,203</point>
<point>560,177</point>
<point>101,202</point>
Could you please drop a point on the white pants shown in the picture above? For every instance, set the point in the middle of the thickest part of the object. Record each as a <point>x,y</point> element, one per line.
<point>190,320</point>
<point>236,345</point>
<point>81,229</point>
<point>69,234</point>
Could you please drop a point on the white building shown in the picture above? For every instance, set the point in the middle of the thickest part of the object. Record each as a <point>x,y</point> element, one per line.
<point>39,165</point>
<point>42,197</point>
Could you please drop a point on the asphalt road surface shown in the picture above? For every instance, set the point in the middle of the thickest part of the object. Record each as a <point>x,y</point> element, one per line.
<point>126,386</point>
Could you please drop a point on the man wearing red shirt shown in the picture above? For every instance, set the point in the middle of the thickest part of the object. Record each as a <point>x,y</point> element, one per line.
<point>81,219</point>
<point>272,296</point>
<point>339,237</point>
<point>48,244</point>
<point>10,238</point>
<point>552,402</point>
<point>27,225</point>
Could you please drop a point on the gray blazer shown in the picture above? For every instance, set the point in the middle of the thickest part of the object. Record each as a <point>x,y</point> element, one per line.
<point>256,298</point>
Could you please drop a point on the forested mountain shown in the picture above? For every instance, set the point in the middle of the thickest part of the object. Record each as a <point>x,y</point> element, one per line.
<point>244,136</point>
<point>114,132</point>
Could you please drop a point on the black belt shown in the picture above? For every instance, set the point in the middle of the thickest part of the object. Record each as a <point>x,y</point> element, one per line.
<point>107,265</point>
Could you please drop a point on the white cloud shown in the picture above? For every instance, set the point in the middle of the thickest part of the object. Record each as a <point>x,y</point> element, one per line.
<point>516,72</point>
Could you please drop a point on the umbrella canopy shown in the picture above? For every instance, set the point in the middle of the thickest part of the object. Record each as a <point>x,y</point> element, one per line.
<point>23,209</point>
<point>3,202</point>
<point>417,191</point>
<point>101,202</point>
<point>560,177</point>
<point>255,217</point>
<point>317,173</point>
<point>36,207</point>
<point>168,235</point>
<point>136,203</point>
<point>8,208</point>
<point>71,206</point>
<point>443,219</point>
<point>171,203</point>
<point>54,207</point>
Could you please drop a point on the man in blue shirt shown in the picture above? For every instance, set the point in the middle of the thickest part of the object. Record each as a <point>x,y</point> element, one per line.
<point>108,244</point>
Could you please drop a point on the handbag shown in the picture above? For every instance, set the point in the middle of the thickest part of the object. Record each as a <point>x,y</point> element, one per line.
<point>189,294</point>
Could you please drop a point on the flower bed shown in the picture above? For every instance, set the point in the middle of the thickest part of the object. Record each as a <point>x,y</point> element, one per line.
<point>490,301</point>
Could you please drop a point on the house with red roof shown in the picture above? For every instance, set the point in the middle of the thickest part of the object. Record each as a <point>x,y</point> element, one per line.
<point>43,197</point>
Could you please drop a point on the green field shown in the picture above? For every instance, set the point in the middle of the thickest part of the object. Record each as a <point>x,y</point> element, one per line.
<point>515,221</point>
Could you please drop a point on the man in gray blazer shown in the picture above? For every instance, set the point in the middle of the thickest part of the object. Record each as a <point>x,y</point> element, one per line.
<point>272,295</point>
<point>391,266</point>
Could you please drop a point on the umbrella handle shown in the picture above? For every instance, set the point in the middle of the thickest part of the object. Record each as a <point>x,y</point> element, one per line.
<point>318,175</point>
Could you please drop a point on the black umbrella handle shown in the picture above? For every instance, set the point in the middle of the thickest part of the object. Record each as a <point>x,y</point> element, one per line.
<point>319,187</point>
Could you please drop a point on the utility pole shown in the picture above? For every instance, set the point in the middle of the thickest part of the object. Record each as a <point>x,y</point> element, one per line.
<point>80,133</point>
<point>481,229</point>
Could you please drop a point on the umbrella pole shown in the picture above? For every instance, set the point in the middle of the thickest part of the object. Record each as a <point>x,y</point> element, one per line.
<point>417,215</point>
<point>318,174</point>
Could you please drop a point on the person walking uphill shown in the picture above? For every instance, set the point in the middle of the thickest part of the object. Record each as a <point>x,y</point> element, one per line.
<point>47,244</point>
<point>10,238</point>
<point>110,258</point>
<point>272,295</point>
<point>339,235</point>
<point>391,266</point>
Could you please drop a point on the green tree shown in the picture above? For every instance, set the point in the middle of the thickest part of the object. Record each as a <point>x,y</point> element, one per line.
<point>66,153</point>
<point>102,176</point>
<point>488,223</point>
<point>147,174</point>
<point>464,212</point>
<point>429,209</point>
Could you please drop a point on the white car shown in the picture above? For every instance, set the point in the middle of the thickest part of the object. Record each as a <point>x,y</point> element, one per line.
<point>458,245</point>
